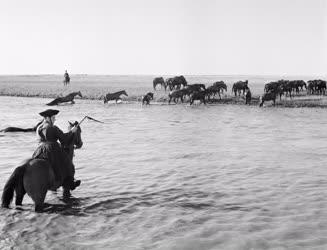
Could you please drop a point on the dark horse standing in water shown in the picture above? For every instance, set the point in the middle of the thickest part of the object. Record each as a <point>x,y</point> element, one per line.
<point>177,82</point>
<point>114,96</point>
<point>200,95</point>
<point>36,176</point>
<point>240,86</point>
<point>147,98</point>
<point>271,96</point>
<point>68,98</point>
<point>16,129</point>
<point>159,81</point>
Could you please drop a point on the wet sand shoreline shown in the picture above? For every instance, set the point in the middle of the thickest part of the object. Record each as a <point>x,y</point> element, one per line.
<point>296,102</point>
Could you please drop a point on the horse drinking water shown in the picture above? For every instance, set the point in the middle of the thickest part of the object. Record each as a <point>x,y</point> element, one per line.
<point>147,98</point>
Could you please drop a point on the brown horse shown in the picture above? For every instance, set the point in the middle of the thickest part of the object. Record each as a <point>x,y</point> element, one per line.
<point>68,98</point>
<point>240,86</point>
<point>159,81</point>
<point>177,82</point>
<point>114,96</point>
<point>147,98</point>
<point>221,86</point>
<point>200,95</point>
<point>36,176</point>
<point>216,88</point>
<point>271,96</point>
<point>16,129</point>
<point>177,94</point>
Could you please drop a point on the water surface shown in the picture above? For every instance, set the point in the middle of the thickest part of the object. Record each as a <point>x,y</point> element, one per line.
<point>176,177</point>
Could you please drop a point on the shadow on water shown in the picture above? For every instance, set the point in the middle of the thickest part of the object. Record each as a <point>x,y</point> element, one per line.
<point>125,203</point>
<point>72,206</point>
<point>129,203</point>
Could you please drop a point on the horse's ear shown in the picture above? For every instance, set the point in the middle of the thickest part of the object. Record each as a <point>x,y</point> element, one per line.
<point>71,124</point>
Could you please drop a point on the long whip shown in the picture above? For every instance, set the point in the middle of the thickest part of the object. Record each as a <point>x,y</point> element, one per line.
<point>90,118</point>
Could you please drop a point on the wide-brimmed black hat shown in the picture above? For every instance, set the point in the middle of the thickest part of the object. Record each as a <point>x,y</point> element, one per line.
<point>49,112</point>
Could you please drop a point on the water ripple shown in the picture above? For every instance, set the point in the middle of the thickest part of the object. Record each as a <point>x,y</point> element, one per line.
<point>177,177</point>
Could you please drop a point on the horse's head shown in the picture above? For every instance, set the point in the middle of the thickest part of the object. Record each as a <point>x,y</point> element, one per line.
<point>79,94</point>
<point>77,139</point>
<point>150,95</point>
<point>124,93</point>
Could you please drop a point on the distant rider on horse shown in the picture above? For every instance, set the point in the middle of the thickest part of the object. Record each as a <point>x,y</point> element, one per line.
<point>66,78</point>
<point>50,150</point>
<point>66,75</point>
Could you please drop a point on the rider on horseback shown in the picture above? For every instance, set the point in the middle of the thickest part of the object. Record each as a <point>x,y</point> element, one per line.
<point>50,150</point>
<point>66,75</point>
<point>66,78</point>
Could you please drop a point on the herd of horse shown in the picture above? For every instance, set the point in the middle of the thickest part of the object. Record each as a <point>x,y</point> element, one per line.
<point>180,90</point>
<point>291,87</point>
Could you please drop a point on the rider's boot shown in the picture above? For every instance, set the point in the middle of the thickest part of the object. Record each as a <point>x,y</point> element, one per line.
<point>70,184</point>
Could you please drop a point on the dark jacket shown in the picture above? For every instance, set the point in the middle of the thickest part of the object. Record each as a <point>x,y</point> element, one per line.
<point>50,133</point>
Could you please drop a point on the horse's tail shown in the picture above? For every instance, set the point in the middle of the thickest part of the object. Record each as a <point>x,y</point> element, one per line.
<point>15,179</point>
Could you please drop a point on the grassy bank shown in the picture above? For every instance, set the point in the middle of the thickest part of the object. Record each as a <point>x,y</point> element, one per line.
<point>95,87</point>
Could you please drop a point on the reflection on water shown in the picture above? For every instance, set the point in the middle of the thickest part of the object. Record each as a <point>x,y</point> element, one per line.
<point>177,177</point>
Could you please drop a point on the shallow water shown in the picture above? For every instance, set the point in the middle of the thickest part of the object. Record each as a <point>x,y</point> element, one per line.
<point>176,177</point>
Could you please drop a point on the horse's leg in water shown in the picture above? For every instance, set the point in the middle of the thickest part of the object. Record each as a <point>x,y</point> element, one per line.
<point>37,179</point>
<point>66,194</point>
<point>73,102</point>
<point>38,197</point>
<point>20,192</point>
<point>68,185</point>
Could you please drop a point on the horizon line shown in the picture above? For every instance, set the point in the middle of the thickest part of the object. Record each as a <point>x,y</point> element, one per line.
<point>158,75</point>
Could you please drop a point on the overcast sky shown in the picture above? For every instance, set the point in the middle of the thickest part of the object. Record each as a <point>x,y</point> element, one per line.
<point>164,37</point>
